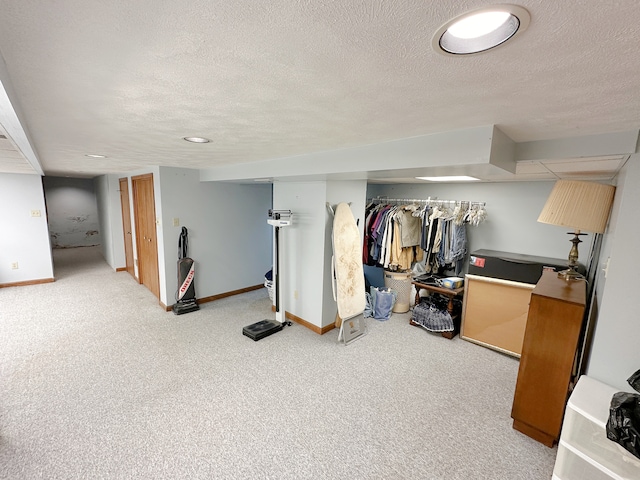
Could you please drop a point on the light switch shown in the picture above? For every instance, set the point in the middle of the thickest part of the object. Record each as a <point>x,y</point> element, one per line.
<point>176,222</point>
<point>605,268</point>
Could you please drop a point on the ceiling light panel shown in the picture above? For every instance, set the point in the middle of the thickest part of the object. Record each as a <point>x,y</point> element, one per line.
<point>450,178</point>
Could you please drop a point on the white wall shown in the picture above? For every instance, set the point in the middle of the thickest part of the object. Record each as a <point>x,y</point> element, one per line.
<point>513,210</point>
<point>72,212</point>
<point>615,354</point>
<point>110,220</point>
<point>24,239</point>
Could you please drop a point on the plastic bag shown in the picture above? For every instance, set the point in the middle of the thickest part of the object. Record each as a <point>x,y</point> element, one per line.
<point>418,269</point>
<point>634,381</point>
<point>368,307</point>
<point>623,425</point>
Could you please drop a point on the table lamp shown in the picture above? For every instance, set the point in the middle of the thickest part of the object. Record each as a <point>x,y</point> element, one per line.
<point>581,206</point>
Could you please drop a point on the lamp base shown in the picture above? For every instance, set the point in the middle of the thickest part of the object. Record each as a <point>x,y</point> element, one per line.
<point>570,274</point>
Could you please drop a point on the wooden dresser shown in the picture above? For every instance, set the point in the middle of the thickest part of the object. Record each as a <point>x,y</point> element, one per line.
<point>554,323</point>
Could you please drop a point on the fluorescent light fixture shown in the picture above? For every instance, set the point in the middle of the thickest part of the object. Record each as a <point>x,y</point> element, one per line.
<point>480,30</point>
<point>262,180</point>
<point>196,139</point>
<point>450,178</point>
<point>95,156</point>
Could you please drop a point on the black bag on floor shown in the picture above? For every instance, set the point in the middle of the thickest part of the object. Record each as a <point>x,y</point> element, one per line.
<point>623,426</point>
<point>634,381</point>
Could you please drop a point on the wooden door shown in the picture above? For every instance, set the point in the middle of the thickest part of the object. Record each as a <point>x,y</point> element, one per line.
<point>144,211</point>
<point>126,225</point>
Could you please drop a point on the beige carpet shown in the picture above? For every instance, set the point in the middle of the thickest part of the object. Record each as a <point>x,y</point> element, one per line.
<point>97,381</point>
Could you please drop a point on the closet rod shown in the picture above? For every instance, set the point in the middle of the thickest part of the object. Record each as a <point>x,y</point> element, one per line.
<point>398,201</point>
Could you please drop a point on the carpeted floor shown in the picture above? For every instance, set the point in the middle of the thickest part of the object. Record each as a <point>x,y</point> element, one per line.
<point>97,381</point>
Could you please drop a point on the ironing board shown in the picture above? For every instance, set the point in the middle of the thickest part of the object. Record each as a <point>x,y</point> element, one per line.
<point>348,273</point>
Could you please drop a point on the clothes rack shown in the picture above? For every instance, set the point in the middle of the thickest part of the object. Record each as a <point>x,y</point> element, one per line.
<point>422,201</point>
<point>402,231</point>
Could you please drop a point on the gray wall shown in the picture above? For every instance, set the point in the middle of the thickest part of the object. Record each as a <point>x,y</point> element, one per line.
<point>302,247</point>
<point>110,219</point>
<point>24,238</point>
<point>615,354</point>
<point>229,238</point>
<point>72,212</point>
<point>306,245</point>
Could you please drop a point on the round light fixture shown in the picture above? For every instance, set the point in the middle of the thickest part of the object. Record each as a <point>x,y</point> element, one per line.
<point>480,30</point>
<point>196,139</point>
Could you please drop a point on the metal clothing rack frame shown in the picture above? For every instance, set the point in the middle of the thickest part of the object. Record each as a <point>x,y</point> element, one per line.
<point>427,201</point>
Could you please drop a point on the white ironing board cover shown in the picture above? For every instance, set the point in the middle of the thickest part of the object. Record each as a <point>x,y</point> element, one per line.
<point>349,288</point>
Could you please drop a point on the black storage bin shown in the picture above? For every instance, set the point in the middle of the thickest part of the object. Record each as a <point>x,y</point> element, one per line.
<point>514,266</point>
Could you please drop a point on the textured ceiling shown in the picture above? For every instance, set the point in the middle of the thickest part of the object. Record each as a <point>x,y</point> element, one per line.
<point>279,78</point>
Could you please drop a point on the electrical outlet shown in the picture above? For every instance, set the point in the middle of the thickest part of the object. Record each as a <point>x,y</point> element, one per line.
<point>14,265</point>
<point>176,222</point>
<point>35,213</point>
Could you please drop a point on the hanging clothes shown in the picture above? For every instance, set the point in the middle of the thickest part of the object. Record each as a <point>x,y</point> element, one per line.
<point>399,235</point>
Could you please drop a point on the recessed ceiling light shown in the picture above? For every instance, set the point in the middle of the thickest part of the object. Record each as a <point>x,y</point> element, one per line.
<point>480,30</point>
<point>196,139</point>
<point>450,178</point>
<point>95,156</point>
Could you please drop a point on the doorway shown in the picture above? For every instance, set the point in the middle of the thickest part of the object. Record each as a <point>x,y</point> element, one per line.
<point>144,212</point>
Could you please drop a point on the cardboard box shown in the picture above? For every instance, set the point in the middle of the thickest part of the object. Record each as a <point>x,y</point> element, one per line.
<point>452,282</point>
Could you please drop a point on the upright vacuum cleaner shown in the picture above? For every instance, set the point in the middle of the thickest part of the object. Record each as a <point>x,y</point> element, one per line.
<point>186,294</point>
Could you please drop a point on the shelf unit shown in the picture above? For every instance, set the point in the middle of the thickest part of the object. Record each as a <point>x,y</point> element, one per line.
<point>584,451</point>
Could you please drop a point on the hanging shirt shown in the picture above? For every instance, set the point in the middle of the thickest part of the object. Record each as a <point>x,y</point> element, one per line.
<point>409,229</point>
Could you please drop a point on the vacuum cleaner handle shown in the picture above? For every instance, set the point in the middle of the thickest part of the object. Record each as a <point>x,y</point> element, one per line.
<point>183,244</point>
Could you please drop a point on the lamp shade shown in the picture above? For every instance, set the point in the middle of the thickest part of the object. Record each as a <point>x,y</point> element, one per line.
<point>579,205</point>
